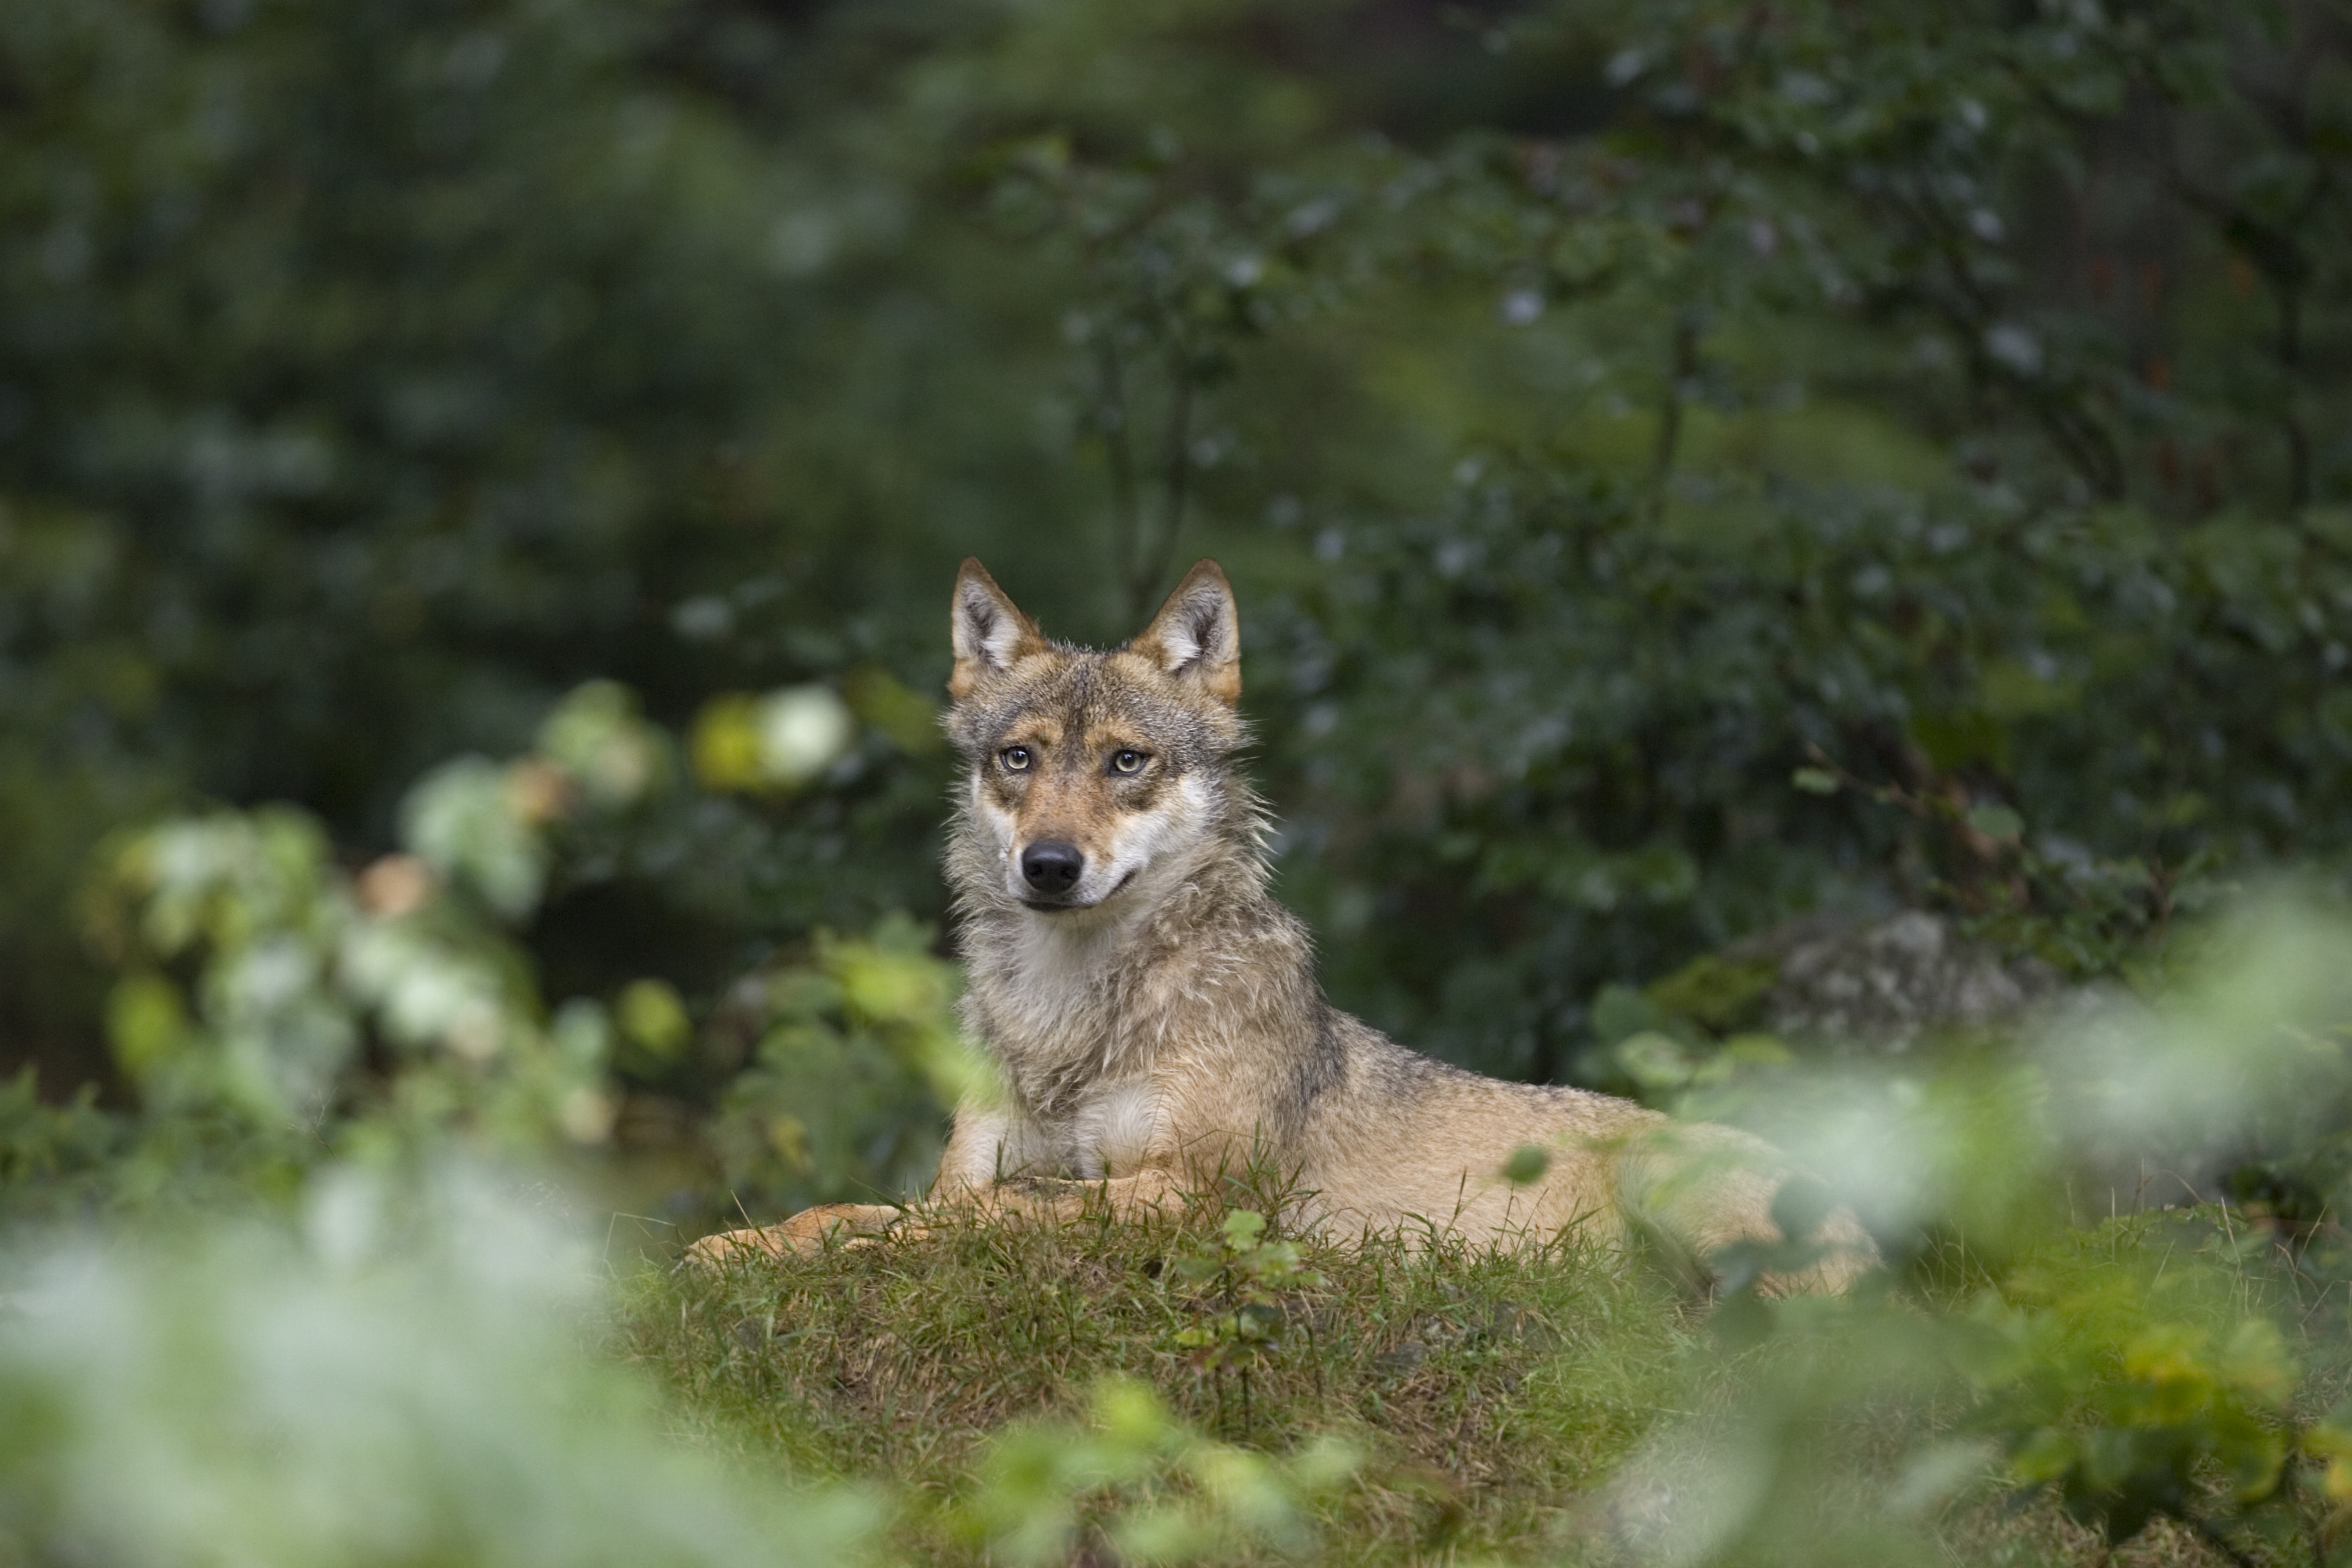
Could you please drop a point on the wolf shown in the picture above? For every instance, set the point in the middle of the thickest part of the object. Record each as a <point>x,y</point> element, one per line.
<point>1154,1015</point>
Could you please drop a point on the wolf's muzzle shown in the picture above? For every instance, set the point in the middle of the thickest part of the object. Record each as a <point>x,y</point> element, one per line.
<point>1052,865</point>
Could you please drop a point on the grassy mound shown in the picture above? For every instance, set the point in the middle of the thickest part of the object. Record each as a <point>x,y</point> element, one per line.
<point>1556,1403</point>
<point>1481,1392</point>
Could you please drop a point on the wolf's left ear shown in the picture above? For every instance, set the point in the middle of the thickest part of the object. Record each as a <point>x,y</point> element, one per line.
<point>1198,634</point>
<point>988,630</point>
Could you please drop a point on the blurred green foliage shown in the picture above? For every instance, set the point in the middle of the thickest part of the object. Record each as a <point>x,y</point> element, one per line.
<point>406,1374</point>
<point>274,1010</point>
<point>1608,412</point>
<point>857,1055</point>
<point>1156,1491</point>
<point>402,1380</point>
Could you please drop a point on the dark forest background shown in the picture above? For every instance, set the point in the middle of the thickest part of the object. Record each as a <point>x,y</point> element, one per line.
<point>1686,466</point>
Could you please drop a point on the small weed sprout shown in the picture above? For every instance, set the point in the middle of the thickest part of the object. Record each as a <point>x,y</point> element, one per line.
<point>1242,1318</point>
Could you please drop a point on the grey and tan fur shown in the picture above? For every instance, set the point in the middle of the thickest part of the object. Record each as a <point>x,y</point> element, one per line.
<point>1154,1014</point>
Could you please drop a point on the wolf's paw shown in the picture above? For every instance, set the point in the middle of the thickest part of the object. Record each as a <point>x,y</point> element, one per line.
<point>811,1230</point>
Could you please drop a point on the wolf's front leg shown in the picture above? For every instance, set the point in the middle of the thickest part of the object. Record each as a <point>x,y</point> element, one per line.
<point>1143,1195</point>
<point>974,1143</point>
<point>1124,1198</point>
<point>811,1230</point>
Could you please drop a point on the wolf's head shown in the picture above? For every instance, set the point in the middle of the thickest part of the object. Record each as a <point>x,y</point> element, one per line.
<point>1094,775</point>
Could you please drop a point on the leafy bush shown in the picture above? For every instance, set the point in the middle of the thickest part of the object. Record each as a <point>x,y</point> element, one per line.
<point>857,1059</point>
<point>404,1382</point>
<point>274,1009</point>
<point>410,1375</point>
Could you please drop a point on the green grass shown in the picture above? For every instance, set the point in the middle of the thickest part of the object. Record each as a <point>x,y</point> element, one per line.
<point>1546,1406</point>
<point>1483,1393</point>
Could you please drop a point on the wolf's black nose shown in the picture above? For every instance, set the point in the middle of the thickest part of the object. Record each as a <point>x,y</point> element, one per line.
<point>1052,865</point>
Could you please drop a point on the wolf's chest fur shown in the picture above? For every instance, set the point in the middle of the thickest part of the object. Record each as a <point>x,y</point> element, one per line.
<point>1046,986</point>
<point>1048,998</point>
<point>1110,1131</point>
<point>1063,1010</point>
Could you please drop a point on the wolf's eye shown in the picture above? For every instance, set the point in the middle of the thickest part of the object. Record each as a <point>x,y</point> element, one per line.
<point>1127,762</point>
<point>1016,759</point>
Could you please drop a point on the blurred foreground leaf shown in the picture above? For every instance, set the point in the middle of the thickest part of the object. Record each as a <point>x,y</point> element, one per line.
<point>406,1384</point>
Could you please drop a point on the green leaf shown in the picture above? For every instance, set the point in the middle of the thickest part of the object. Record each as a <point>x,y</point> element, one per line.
<point>1742,1320</point>
<point>146,1022</point>
<point>1716,993</point>
<point>468,821</point>
<point>1998,823</point>
<point>652,1015</point>
<point>1527,1164</point>
<point>2045,1455</point>
<point>1619,1012</point>
<point>1656,1061</point>
<point>1815,780</point>
<point>881,702</point>
<point>1800,1206</point>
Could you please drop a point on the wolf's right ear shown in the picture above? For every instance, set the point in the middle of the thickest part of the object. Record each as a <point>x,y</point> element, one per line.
<point>989,632</point>
<point>1198,633</point>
